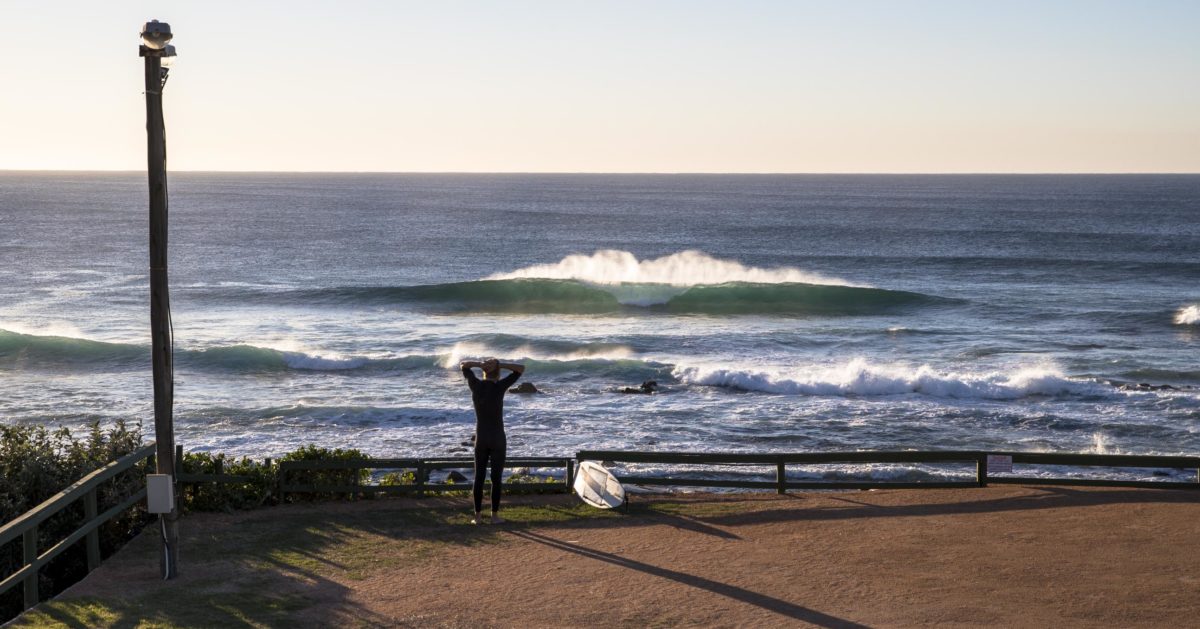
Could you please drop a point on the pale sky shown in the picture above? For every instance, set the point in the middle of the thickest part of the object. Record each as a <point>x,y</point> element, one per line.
<point>604,86</point>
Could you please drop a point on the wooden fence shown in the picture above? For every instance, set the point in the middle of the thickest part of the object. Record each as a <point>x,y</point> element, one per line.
<point>26,526</point>
<point>420,468</point>
<point>972,457</point>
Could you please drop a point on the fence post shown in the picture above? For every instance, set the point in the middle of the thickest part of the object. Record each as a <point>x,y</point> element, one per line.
<point>281,480</point>
<point>29,542</point>
<point>90,511</point>
<point>420,473</point>
<point>178,487</point>
<point>981,470</point>
<point>780,479</point>
<point>270,485</point>
<point>218,470</point>
<point>570,474</point>
<point>355,472</point>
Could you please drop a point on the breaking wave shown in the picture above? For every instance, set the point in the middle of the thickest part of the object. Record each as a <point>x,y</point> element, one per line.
<point>1188,315</point>
<point>558,296</point>
<point>26,351</point>
<point>861,378</point>
<point>609,282</point>
<point>19,350</point>
<point>686,268</point>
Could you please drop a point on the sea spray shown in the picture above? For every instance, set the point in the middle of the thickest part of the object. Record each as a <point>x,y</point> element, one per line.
<point>464,350</point>
<point>1188,315</point>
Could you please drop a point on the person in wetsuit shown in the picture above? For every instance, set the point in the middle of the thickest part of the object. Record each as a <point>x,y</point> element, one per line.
<point>490,443</point>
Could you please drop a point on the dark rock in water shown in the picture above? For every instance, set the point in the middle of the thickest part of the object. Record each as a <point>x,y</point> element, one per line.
<point>608,463</point>
<point>455,477</point>
<point>525,387</point>
<point>1146,386</point>
<point>1161,473</point>
<point>648,386</point>
<point>470,443</point>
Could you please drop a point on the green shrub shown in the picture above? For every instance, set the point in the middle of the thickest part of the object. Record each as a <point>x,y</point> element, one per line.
<point>344,477</point>
<point>525,477</point>
<point>256,490</point>
<point>407,477</point>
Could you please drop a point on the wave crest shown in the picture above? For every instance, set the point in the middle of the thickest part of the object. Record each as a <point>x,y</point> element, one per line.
<point>858,377</point>
<point>686,268</point>
<point>556,296</point>
<point>1188,315</point>
<point>25,351</point>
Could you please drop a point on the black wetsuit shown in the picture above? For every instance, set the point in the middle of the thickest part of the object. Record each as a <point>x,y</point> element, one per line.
<point>490,442</point>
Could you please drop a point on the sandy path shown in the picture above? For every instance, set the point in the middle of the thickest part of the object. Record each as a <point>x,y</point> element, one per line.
<point>995,557</point>
<point>998,556</point>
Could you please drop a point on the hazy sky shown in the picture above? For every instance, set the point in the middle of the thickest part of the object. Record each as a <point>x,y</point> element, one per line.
<point>602,86</point>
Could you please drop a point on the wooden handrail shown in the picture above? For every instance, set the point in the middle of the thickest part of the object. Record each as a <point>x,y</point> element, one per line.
<point>711,458</point>
<point>26,525</point>
<point>421,469</point>
<point>73,492</point>
<point>979,457</point>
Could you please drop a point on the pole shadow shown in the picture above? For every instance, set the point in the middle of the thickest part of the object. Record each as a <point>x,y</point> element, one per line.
<point>769,603</point>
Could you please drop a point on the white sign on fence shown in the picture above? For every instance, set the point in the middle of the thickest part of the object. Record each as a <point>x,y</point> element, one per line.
<point>999,463</point>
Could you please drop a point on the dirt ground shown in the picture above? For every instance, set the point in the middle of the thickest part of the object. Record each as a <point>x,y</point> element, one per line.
<point>999,556</point>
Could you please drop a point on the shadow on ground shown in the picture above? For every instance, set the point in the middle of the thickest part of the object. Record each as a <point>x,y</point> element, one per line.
<point>295,565</point>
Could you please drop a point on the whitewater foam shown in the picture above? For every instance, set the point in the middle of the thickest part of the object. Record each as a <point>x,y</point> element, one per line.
<point>297,355</point>
<point>300,360</point>
<point>464,350</point>
<point>859,377</point>
<point>61,329</point>
<point>685,268</point>
<point>1188,315</point>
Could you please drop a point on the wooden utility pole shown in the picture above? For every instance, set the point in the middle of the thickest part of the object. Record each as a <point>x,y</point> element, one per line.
<point>160,302</point>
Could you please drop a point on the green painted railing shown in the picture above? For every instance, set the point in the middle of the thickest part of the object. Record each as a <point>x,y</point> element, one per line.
<point>26,526</point>
<point>978,458</point>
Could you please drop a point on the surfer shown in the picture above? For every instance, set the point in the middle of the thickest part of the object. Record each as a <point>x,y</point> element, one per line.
<point>491,445</point>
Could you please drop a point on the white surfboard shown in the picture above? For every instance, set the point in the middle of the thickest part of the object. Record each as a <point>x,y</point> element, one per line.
<point>597,486</point>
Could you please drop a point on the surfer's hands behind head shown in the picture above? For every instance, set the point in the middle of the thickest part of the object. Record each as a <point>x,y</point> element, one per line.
<point>490,366</point>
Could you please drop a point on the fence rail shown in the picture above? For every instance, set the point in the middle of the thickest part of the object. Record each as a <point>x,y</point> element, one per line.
<point>26,525</point>
<point>420,468</point>
<point>979,458</point>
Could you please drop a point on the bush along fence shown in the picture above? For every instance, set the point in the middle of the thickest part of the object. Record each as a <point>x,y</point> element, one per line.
<point>105,508</point>
<point>316,473</point>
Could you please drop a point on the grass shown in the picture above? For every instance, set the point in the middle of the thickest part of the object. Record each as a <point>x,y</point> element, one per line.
<point>694,509</point>
<point>282,565</point>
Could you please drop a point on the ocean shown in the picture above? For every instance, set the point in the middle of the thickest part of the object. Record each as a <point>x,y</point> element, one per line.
<point>776,312</point>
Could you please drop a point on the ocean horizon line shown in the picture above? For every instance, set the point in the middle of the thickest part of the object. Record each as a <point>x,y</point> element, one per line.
<point>611,173</point>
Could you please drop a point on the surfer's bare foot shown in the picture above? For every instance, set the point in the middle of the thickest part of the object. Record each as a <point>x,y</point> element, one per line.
<point>496,519</point>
